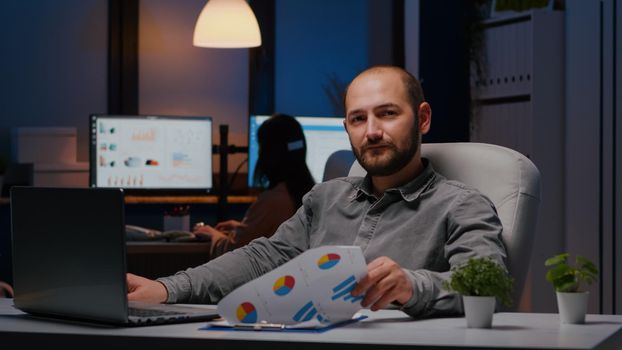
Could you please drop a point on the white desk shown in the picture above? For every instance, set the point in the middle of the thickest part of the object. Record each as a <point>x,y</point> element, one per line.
<point>386,329</point>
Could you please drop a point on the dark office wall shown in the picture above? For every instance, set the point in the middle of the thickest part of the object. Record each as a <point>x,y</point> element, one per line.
<point>177,78</point>
<point>593,162</point>
<point>53,65</point>
<point>444,68</point>
<point>317,42</point>
<point>53,73</point>
<point>321,45</point>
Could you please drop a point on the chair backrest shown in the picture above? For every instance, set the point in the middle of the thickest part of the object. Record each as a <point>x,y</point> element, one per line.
<point>508,178</point>
<point>338,164</point>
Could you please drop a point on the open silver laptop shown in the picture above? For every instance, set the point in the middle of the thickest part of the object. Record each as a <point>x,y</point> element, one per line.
<point>69,259</point>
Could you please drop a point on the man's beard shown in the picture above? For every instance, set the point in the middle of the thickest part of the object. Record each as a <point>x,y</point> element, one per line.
<point>396,161</point>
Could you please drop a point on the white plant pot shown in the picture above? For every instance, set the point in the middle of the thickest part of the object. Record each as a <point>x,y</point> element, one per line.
<point>572,307</point>
<point>478,311</point>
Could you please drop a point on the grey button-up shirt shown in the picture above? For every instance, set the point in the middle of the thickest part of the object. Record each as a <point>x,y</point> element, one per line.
<point>426,226</point>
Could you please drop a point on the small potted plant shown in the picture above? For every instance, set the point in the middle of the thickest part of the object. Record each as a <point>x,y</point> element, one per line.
<point>480,282</point>
<point>568,280</point>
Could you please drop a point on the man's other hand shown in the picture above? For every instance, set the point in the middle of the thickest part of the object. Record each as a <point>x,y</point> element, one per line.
<point>145,290</point>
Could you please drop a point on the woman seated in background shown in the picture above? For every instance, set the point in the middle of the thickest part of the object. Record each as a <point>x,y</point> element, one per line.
<point>282,169</point>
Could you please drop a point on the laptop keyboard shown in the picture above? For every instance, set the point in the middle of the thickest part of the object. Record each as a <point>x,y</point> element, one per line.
<point>137,312</point>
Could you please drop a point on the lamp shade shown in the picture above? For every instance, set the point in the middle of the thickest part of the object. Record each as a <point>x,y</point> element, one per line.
<point>227,24</point>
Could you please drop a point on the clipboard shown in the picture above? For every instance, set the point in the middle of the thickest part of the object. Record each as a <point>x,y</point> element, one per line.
<point>278,327</point>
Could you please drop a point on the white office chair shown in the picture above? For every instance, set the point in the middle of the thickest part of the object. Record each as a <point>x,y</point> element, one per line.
<point>508,178</point>
<point>338,164</point>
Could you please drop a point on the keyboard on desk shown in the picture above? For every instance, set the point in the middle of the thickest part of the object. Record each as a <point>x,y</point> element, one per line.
<point>143,314</point>
<point>136,312</point>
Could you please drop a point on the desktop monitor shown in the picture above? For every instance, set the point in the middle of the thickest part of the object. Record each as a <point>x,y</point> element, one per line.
<point>150,153</point>
<point>324,136</point>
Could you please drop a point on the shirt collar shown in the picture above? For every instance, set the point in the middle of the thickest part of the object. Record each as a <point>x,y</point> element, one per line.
<point>409,191</point>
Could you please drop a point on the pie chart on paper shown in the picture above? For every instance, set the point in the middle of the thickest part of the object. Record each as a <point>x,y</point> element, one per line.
<point>284,285</point>
<point>327,261</point>
<point>246,313</point>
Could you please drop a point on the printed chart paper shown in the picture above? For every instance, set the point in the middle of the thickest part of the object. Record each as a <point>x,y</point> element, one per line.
<point>312,289</point>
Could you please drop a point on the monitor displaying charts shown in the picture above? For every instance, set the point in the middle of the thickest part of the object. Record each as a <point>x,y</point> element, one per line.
<point>324,136</point>
<point>141,152</point>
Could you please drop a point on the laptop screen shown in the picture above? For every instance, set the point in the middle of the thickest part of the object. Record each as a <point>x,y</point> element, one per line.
<point>69,252</point>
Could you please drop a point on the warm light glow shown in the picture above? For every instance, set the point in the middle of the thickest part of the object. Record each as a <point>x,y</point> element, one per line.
<point>227,24</point>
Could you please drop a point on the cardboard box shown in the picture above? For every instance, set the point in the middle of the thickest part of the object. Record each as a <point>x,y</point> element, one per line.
<point>44,145</point>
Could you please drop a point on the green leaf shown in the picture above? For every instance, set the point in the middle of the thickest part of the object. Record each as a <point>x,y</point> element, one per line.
<point>587,265</point>
<point>559,271</point>
<point>557,259</point>
<point>566,277</point>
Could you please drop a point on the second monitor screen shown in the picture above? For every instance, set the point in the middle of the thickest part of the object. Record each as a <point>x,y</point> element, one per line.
<point>324,136</point>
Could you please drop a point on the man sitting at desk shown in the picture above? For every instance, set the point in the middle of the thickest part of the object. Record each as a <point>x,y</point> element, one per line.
<point>412,224</point>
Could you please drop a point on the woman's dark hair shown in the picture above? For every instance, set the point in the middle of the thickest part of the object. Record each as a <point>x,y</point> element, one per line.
<point>282,156</point>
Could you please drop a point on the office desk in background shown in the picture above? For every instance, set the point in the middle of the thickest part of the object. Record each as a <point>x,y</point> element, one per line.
<point>386,329</point>
<point>157,259</point>
<point>148,211</point>
<point>208,199</point>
